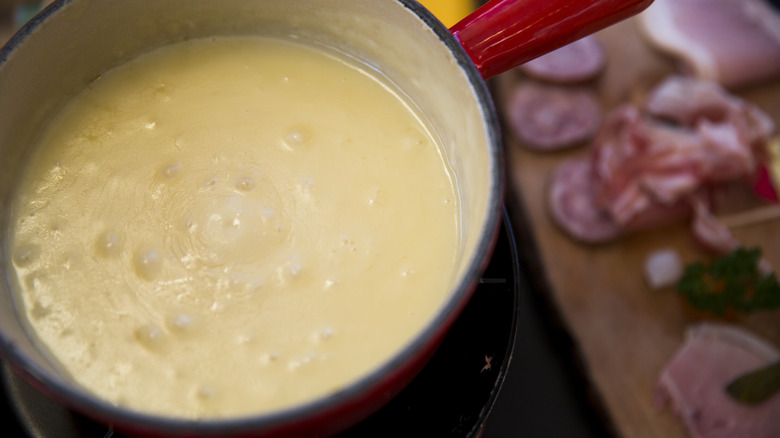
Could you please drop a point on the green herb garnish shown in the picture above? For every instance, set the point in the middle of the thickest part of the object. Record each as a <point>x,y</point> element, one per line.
<point>730,283</point>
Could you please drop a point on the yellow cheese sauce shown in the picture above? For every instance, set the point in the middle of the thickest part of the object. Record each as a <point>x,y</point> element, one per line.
<point>231,226</point>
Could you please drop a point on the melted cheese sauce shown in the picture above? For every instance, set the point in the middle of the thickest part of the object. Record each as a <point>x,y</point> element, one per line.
<point>231,226</point>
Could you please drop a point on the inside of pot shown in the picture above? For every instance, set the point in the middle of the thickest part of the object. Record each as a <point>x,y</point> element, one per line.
<point>54,57</point>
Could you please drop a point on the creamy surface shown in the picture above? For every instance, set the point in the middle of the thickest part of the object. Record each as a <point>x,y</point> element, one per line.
<point>230,226</point>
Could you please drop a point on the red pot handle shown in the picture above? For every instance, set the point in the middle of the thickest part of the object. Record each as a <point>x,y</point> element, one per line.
<point>506,33</point>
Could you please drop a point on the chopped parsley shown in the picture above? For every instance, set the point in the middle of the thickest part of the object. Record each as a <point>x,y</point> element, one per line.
<point>731,283</point>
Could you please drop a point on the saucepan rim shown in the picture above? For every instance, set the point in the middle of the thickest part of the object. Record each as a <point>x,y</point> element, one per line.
<point>81,401</point>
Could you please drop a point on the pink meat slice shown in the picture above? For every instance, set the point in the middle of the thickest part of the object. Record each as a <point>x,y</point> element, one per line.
<point>579,61</point>
<point>688,102</point>
<point>693,383</point>
<point>572,203</point>
<point>709,232</point>
<point>732,42</point>
<point>640,163</point>
<point>546,118</point>
<point>572,200</point>
<point>651,166</point>
<point>641,160</point>
<point>715,134</point>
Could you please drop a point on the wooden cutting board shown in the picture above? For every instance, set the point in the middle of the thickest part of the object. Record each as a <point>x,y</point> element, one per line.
<point>624,332</point>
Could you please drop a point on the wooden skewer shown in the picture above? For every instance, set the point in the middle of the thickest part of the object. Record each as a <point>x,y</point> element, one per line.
<point>751,217</point>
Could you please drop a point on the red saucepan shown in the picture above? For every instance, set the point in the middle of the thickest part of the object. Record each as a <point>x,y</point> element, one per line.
<point>442,71</point>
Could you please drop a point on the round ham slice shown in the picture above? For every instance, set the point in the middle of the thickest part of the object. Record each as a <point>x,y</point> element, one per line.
<point>548,118</point>
<point>694,383</point>
<point>579,61</point>
<point>572,203</point>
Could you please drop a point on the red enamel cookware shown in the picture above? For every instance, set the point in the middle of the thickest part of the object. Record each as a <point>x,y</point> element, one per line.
<point>441,70</point>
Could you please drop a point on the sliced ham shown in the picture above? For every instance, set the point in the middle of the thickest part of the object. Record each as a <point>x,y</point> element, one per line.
<point>652,165</point>
<point>688,102</point>
<point>547,117</point>
<point>572,204</point>
<point>694,382</point>
<point>639,162</point>
<point>732,42</point>
<point>579,61</point>
<point>709,232</point>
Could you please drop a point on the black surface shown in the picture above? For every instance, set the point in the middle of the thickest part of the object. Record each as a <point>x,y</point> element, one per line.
<point>546,392</point>
<point>451,397</point>
<point>543,394</point>
<point>10,426</point>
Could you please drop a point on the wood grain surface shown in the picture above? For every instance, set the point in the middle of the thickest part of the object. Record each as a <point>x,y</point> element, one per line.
<point>624,332</point>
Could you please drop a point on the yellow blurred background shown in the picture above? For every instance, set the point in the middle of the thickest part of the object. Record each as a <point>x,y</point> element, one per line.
<point>450,12</point>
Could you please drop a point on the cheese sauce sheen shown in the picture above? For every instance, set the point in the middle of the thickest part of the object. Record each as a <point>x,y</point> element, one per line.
<point>231,226</point>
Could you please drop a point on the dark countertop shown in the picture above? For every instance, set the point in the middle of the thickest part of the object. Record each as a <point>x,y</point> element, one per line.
<point>543,394</point>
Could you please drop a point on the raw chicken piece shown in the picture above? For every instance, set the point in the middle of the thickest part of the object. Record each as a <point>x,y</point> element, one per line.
<point>732,42</point>
<point>694,383</point>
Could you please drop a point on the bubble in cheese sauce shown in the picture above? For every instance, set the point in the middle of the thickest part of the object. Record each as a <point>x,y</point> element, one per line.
<point>243,224</point>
